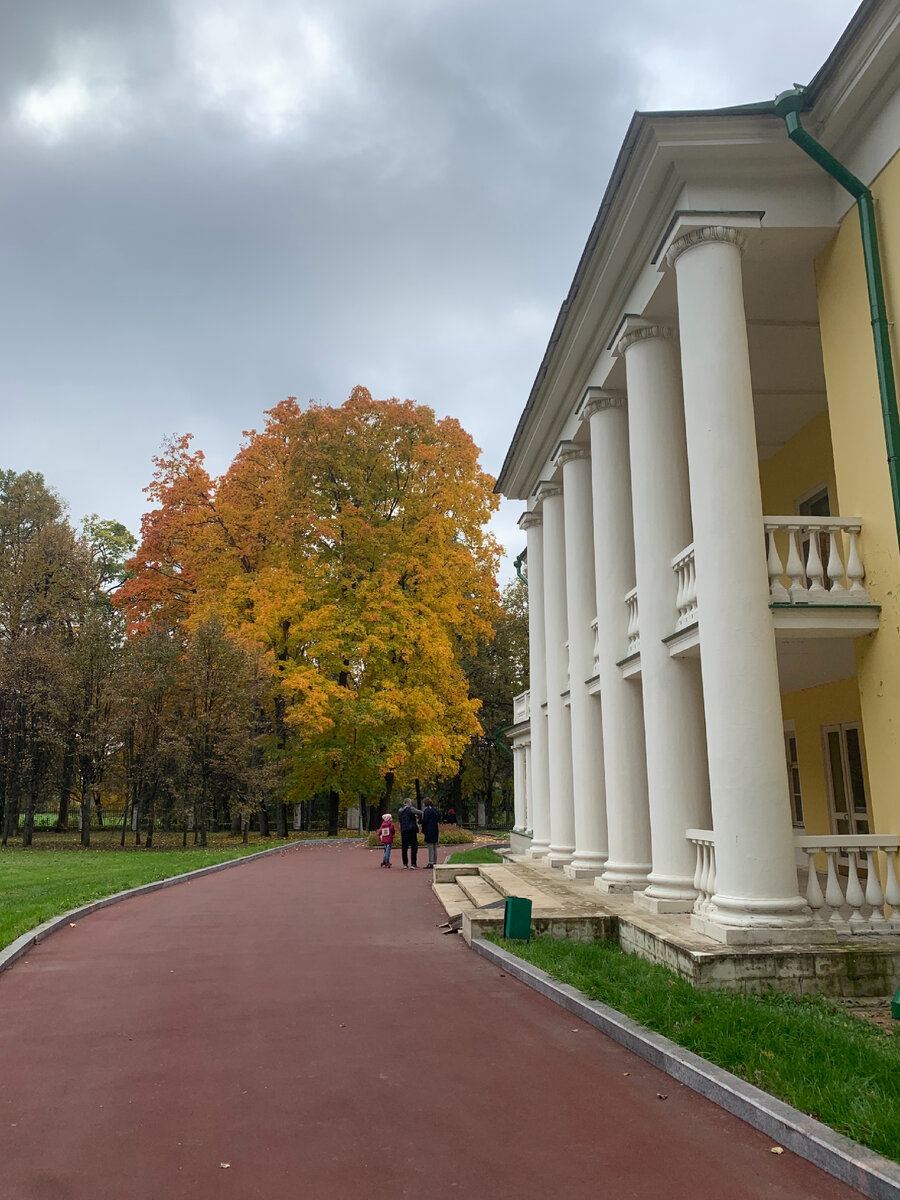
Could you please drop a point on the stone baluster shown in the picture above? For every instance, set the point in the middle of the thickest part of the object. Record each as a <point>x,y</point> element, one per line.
<point>891,886</point>
<point>778,593</point>
<point>837,593</point>
<point>856,573</point>
<point>834,896</point>
<point>595,626</point>
<point>854,895</point>
<point>798,592</point>
<point>815,572</point>
<point>874,894</point>
<point>634,633</point>
<point>814,897</point>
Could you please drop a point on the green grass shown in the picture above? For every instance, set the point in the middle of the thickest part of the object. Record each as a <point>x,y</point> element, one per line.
<point>478,854</point>
<point>804,1050</point>
<point>49,879</point>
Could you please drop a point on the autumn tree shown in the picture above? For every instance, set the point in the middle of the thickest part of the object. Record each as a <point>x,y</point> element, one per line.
<point>349,544</point>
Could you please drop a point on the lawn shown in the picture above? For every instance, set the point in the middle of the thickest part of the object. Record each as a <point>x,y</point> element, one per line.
<point>804,1050</point>
<point>478,854</point>
<point>56,874</point>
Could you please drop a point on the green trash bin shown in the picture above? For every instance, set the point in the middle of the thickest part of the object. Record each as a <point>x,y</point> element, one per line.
<point>517,919</point>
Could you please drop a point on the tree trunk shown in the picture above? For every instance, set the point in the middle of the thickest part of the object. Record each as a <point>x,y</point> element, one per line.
<point>418,795</point>
<point>334,808</point>
<point>245,829</point>
<point>184,834</point>
<point>263,818</point>
<point>151,820</point>
<point>282,818</point>
<point>28,827</point>
<point>85,821</point>
<point>65,790</point>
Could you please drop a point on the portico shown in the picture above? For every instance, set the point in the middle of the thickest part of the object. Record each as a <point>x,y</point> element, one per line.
<point>675,615</point>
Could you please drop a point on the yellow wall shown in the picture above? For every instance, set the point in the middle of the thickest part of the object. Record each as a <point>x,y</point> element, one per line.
<point>809,710</point>
<point>857,436</point>
<point>802,464</point>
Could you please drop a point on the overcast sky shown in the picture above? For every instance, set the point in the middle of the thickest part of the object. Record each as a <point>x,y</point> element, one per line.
<point>208,205</point>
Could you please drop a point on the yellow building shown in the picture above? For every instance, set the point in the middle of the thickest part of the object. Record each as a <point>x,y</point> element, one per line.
<point>713,528</point>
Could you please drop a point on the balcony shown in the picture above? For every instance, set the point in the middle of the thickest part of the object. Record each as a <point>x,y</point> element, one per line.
<point>816,591</point>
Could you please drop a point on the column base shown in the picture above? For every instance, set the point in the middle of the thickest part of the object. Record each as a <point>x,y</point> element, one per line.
<point>559,856</point>
<point>623,878</point>
<point>538,849</point>
<point>661,904</point>
<point>583,868</point>
<point>764,935</point>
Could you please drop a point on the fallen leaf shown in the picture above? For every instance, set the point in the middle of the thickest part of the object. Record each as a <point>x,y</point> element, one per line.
<point>767,1053</point>
<point>660,1096</point>
<point>777,1150</point>
<point>71,924</point>
<point>626,1072</point>
<point>224,1166</point>
<point>574,1030</point>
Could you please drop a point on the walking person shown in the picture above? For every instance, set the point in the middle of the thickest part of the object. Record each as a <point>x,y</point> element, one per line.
<point>386,831</point>
<point>430,831</point>
<point>409,832</point>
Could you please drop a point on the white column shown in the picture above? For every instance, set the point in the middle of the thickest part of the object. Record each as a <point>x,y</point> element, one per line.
<point>559,725</point>
<point>518,787</point>
<point>588,785</point>
<point>756,877</point>
<point>628,863</point>
<point>532,524</point>
<point>677,782</point>
<point>527,793</point>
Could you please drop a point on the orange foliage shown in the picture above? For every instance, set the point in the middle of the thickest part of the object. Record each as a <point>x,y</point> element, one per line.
<point>350,544</point>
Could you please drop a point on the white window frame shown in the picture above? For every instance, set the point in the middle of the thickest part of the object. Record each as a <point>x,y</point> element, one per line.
<point>790,731</point>
<point>851,816</point>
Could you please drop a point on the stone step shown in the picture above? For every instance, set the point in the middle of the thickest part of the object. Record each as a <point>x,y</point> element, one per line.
<point>508,882</point>
<point>454,900</point>
<point>478,890</point>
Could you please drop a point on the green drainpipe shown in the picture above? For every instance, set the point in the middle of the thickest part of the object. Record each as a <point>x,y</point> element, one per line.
<point>517,563</point>
<point>788,106</point>
<point>498,743</point>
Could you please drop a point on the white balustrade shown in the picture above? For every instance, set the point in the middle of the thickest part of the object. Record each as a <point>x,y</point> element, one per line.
<point>815,560</point>
<point>686,593</point>
<point>522,707</point>
<point>595,625</point>
<point>634,634</point>
<point>846,905</point>
<point>704,841</point>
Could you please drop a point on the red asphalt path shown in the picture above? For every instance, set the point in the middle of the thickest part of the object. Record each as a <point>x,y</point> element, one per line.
<point>302,1019</point>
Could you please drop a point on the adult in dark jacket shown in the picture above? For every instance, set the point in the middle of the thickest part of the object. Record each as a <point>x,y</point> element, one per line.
<point>430,831</point>
<point>409,833</point>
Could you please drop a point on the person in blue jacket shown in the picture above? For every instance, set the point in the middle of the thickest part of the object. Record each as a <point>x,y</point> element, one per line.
<point>409,832</point>
<point>430,831</point>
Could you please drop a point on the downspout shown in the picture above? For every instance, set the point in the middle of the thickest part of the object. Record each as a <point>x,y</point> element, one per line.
<point>517,563</point>
<point>788,106</point>
<point>502,745</point>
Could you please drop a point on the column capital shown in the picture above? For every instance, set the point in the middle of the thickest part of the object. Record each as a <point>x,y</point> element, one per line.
<point>706,233</point>
<point>597,400</point>
<point>547,489</point>
<point>530,520</point>
<point>645,333</point>
<point>567,452</point>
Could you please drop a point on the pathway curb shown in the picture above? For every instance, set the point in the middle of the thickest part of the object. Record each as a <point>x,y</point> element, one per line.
<point>870,1173</point>
<point>25,941</point>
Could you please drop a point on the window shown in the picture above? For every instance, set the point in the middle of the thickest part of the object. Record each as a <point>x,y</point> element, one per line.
<point>793,772</point>
<point>846,779</point>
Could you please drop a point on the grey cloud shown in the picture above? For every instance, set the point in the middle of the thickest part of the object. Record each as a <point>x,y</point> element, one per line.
<point>415,231</point>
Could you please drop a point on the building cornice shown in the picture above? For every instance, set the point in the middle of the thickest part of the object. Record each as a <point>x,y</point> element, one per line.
<point>530,520</point>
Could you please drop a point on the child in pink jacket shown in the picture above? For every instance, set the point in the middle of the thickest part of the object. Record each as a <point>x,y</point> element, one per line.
<point>386,833</point>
